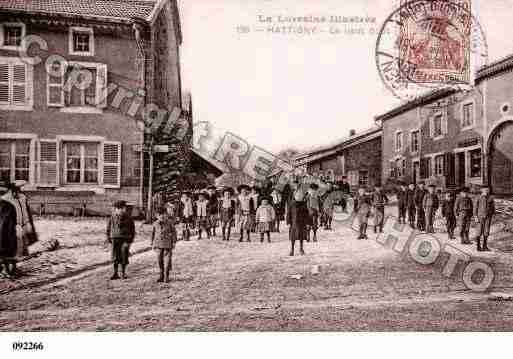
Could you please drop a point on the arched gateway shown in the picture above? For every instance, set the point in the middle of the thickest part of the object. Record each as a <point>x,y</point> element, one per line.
<point>500,168</point>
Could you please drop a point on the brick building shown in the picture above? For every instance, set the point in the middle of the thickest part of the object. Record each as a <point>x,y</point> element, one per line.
<point>357,156</point>
<point>452,139</point>
<point>74,143</point>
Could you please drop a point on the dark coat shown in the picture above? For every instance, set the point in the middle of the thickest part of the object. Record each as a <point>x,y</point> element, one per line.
<point>213,204</point>
<point>121,227</point>
<point>402,198</point>
<point>8,240</point>
<point>410,198</point>
<point>463,207</point>
<point>419,197</point>
<point>430,201</point>
<point>379,199</point>
<point>448,208</point>
<point>298,219</point>
<point>485,207</point>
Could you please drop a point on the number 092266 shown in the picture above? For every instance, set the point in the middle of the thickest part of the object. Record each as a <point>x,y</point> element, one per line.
<point>27,346</point>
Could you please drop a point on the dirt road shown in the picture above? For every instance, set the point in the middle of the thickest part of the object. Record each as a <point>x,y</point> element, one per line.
<point>360,285</point>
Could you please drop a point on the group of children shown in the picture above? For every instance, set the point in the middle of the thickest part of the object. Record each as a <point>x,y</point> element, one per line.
<point>421,205</point>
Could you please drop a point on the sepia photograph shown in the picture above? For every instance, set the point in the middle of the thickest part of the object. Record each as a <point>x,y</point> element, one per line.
<point>255,166</point>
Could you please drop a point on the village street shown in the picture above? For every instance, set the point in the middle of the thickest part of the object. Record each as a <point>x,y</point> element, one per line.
<point>340,284</point>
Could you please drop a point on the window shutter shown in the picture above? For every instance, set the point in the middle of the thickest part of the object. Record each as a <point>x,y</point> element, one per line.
<point>48,169</point>
<point>431,124</point>
<point>19,85</point>
<point>112,164</point>
<point>55,85</point>
<point>4,83</point>
<point>101,86</point>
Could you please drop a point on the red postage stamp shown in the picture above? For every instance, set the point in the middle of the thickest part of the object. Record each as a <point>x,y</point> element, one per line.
<point>435,41</point>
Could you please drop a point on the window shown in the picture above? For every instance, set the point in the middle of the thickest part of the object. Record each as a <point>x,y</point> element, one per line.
<point>439,165</point>
<point>11,36</point>
<point>467,115</point>
<point>77,86</point>
<point>414,141</point>
<point>14,160</point>
<point>81,41</point>
<point>475,163</point>
<point>15,84</point>
<point>437,125</point>
<point>398,141</point>
<point>81,162</point>
<point>363,178</point>
<point>137,165</point>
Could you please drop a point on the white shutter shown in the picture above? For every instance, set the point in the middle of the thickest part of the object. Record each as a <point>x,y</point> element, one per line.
<point>101,86</point>
<point>47,161</point>
<point>55,84</point>
<point>19,84</point>
<point>4,83</point>
<point>112,164</point>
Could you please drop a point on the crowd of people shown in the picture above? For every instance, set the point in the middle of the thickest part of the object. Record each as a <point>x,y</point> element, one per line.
<point>252,210</point>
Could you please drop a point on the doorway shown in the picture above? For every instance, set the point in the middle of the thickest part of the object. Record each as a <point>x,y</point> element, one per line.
<point>460,169</point>
<point>416,171</point>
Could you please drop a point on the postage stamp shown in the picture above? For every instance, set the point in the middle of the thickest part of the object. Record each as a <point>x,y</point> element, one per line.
<point>428,46</point>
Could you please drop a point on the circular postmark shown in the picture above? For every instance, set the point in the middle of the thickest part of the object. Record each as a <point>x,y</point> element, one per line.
<point>431,46</point>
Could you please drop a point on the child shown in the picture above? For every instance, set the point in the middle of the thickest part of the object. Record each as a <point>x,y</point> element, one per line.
<point>379,200</point>
<point>265,217</point>
<point>213,205</point>
<point>448,213</point>
<point>227,211</point>
<point>255,195</point>
<point>298,220</point>
<point>464,210</point>
<point>313,204</point>
<point>484,211</point>
<point>202,215</point>
<point>362,209</point>
<point>279,208</point>
<point>120,233</point>
<point>186,214</point>
<point>163,240</point>
<point>246,206</point>
<point>402,202</point>
<point>430,205</point>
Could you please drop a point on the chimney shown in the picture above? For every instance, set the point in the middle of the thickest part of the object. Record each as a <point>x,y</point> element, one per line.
<point>352,132</point>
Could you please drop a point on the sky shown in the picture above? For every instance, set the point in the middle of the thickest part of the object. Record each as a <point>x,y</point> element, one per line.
<point>285,89</point>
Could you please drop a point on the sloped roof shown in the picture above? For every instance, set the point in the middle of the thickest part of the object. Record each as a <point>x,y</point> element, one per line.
<point>115,9</point>
<point>334,145</point>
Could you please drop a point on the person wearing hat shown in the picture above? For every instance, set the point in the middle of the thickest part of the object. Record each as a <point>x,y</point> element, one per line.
<point>213,204</point>
<point>163,240</point>
<point>203,214</point>
<point>430,205</point>
<point>402,202</point>
<point>313,203</point>
<point>257,198</point>
<point>448,213</point>
<point>379,200</point>
<point>245,207</point>
<point>464,210</point>
<point>227,207</point>
<point>279,208</point>
<point>484,212</point>
<point>410,204</point>
<point>298,220</point>
<point>420,192</point>
<point>120,234</point>
<point>186,214</point>
<point>16,210</point>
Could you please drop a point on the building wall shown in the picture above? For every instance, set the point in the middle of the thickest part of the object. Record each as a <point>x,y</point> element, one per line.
<point>364,157</point>
<point>117,49</point>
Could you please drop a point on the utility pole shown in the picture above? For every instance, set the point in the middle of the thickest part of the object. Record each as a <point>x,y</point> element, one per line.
<point>149,211</point>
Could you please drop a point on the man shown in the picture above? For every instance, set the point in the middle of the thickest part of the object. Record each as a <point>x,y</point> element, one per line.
<point>402,202</point>
<point>213,205</point>
<point>279,208</point>
<point>463,210</point>
<point>379,200</point>
<point>410,204</point>
<point>430,205</point>
<point>344,187</point>
<point>484,211</point>
<point>298,220</point>
<point>448,213</point>
<point>16,214</point>
<point>420,192</point>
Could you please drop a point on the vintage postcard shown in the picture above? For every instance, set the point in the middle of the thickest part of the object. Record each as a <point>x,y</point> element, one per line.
<point>255,166</point>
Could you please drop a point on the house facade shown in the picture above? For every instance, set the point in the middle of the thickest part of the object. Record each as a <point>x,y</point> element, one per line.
<point>358,157</point>
<point>454,139</point>
<point>75,81</point>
